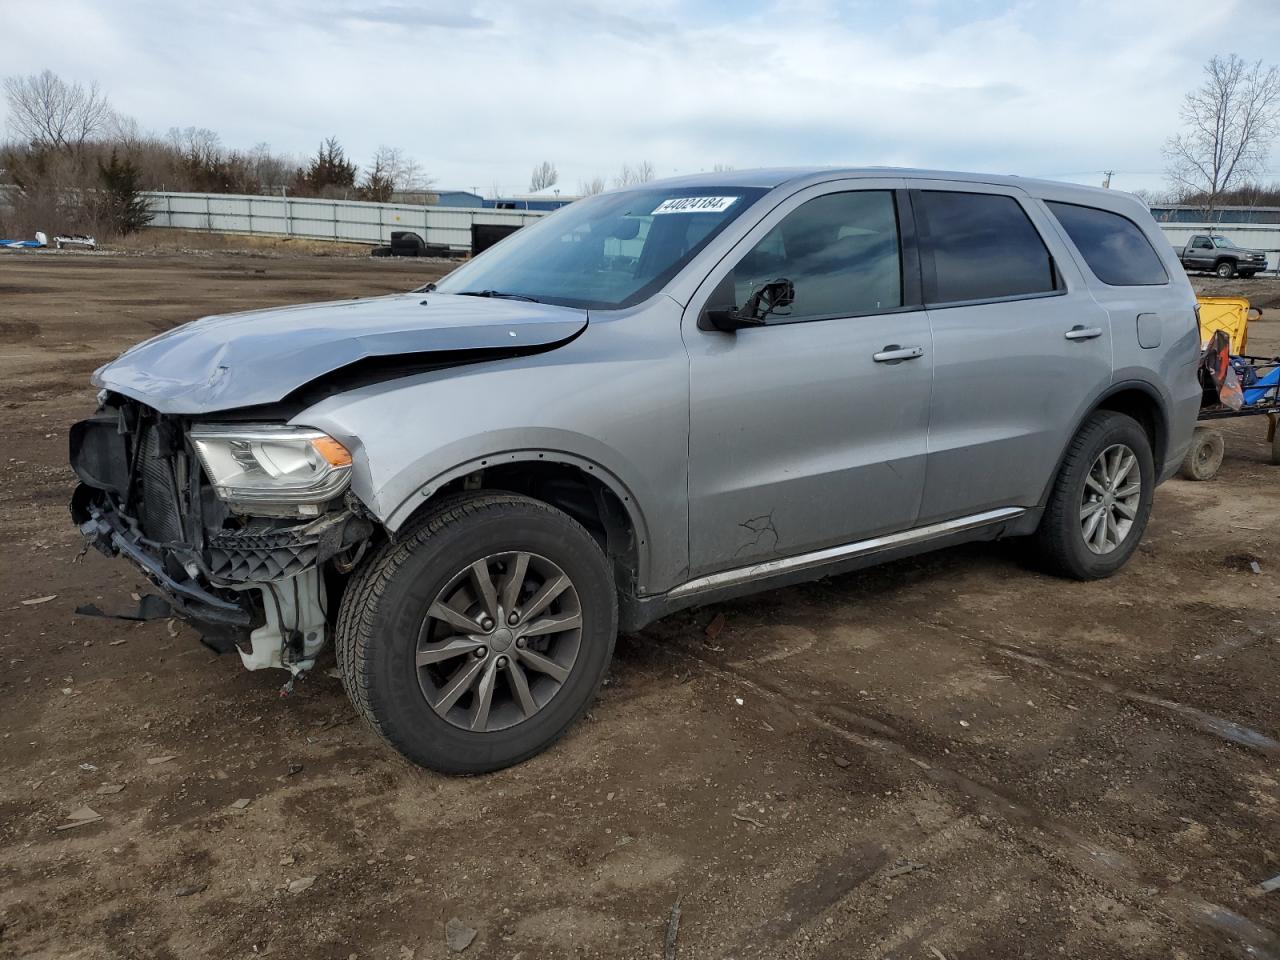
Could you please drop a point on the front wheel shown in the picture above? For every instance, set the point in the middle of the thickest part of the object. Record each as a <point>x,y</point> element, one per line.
<point>476,639</point>
<point>1101,499</point>
<point>1226,270</point>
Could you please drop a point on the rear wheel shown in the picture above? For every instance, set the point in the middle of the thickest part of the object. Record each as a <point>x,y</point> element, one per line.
<point>1204,456</point>
<point>1101,499</point>
<point>1226,270</point>
<point>477,639</point>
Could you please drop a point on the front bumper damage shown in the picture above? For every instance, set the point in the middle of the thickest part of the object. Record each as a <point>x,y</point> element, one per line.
<point>258,585</point>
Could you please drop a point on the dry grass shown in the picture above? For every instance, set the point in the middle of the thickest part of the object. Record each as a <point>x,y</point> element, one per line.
<point>165,240</point>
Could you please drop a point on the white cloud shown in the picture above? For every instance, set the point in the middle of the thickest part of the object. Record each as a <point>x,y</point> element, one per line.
<point>480,91</point>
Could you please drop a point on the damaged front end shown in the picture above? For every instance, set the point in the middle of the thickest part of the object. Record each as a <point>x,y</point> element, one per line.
<point>247,528</point>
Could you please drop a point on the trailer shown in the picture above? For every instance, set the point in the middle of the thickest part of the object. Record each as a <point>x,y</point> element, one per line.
<point>1235,383</point>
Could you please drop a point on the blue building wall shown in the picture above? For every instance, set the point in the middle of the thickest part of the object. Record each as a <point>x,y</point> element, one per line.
<point>460,198</point>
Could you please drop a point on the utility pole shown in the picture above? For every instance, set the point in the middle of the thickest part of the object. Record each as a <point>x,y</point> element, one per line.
<point>1106,183</point>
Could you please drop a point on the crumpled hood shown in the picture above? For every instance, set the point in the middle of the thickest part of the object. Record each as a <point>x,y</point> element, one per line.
<point>245,359</point>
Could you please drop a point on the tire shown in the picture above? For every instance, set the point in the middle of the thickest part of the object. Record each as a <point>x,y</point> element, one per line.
<point>380,252</point>
<point>384,630</point>
<point>1226,270</point>
<point>1060,538</point>
<point>1204,456</point>
<point>406,243</point>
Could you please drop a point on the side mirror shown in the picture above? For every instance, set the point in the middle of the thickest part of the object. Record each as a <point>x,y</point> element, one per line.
<point>768,297</point>
<point>722,313</point>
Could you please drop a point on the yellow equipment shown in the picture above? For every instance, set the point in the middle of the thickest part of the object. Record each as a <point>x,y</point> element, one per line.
<point>1231,314</point>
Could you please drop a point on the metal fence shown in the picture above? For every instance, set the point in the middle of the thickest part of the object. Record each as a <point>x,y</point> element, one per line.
<point>357,222</point>
<point>347,220</point>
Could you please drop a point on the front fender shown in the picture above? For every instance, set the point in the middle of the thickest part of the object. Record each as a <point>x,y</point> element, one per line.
<point>613,403</point>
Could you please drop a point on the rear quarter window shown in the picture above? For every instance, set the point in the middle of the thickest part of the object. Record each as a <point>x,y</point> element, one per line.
<point>1116,249</point>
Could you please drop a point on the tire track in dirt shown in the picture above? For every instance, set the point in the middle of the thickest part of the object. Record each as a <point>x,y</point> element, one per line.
<point>1228,730</point>
<point>1246,939</point>
<point>1201,720</point>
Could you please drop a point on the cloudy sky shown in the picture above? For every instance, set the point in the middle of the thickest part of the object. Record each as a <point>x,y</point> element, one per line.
<point>480,90</point>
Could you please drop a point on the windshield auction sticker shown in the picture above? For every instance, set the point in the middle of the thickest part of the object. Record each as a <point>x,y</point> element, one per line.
<point>695,205</point>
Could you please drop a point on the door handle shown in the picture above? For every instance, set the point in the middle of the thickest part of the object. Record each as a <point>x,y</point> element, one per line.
<point>896,354</point>
<point>1083,333</point>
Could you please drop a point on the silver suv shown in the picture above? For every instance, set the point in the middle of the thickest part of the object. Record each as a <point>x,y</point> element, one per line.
<point>652,399</point>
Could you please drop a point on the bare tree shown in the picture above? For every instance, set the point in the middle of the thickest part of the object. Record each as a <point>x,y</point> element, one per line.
<point>412,176</point>
<point>589,188</point>
<point>628,176</point>
<point>1230,122</point>
<point>125,131</point>
<point>722,168</point>
<point>47,111</point>
<point>393,171</point>
<point>200,146</point>
<point>544,175</point>
<point>271,171</point>
<point>1151,197</point>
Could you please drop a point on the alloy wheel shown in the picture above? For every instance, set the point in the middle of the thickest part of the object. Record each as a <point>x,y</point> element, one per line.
<point>1109,502</point>
<point>499,641</point>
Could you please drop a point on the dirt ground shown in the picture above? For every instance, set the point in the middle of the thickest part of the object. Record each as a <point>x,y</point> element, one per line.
<point>950,757</point>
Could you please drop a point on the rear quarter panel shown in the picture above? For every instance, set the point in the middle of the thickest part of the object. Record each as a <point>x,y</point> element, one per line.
<point>1169,369</point>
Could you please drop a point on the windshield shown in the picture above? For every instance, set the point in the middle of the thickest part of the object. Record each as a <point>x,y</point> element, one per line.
<point>604,252</point>
<point>1223,242</point>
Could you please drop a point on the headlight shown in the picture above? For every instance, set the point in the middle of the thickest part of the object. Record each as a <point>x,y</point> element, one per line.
<point>272,463</point>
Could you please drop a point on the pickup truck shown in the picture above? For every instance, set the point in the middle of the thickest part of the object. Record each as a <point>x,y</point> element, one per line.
<point>1219,255</point>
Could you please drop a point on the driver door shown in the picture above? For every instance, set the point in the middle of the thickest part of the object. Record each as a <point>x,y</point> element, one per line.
<point>810,430</point>
<point>1202,254</point>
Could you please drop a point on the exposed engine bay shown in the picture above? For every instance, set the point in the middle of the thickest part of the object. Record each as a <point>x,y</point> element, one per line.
<point>248,529</point>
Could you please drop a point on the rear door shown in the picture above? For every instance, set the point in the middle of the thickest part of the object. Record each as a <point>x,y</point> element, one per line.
<point>809,431</point>
<point>1019,346</point>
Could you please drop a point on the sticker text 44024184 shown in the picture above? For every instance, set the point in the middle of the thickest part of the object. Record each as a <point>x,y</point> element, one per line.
<point>695,205</point>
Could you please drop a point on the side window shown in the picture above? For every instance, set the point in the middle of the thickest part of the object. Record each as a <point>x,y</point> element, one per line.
<point>840,251</point>
<point>984,247</point>
<point>1202,243</point>
<point>1116,250</point>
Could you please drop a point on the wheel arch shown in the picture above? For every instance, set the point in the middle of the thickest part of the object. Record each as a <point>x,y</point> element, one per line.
<point>1143,402</point>
<point>1134,398</point>
<point>585,490</point>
